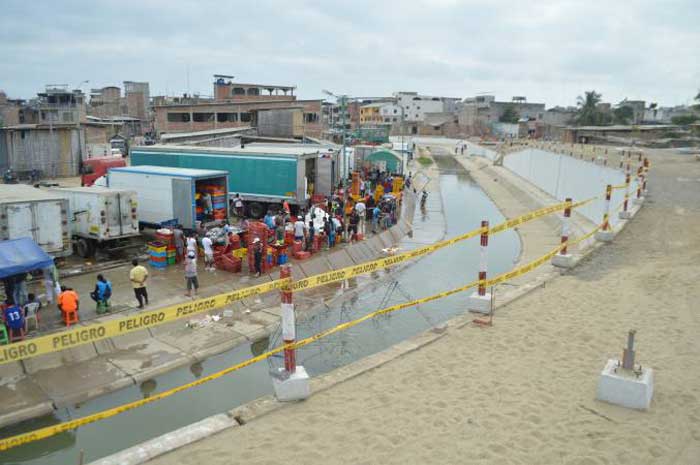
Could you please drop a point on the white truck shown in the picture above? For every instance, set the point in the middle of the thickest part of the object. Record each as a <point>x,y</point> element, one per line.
<point>26,211</point>
<point>101,218</point>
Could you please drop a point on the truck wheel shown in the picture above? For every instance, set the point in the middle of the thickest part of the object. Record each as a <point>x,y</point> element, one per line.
<point>256,210</point>
<point>84,248</point>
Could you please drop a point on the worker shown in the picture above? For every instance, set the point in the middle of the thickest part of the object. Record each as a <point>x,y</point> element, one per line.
<point>299,229</point>
<point>207,206</point>
<point>269,220</point>
<point>238,204</point>
<point>312,233</point>
<point>138,276</point>
<point>208,247</point>
<point>102,292</point>
<point>191,274</point>
<point>375,218</point>
<point>179,239</point>
<point>361,210</point>
<point>257,255</point>
<point>352,227</point>
<point>14,318</point>
<point>51,285</point>
<point>68,300</point>
<point>192,243</point>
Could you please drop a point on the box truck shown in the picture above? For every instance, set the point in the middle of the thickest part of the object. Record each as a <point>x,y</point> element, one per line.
<point>262,175</point>
<point>26,211</point>
<point>168,196</point>
<point>101,218</point>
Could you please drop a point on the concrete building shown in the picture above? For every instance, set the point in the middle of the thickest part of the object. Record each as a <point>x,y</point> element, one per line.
<point>11,111</point>
<point>479,113</point>
<point>138,100</point>
<point>416,106</point>
<point>637,106</point>
<point>239,105</point>
<point>559,116</point>
<point>58,105</point>
<point>105,102</point>
<point>371,113</point>
<point>663,115</point>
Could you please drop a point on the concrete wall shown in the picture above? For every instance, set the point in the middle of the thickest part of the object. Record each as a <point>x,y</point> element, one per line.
<point>54,152</point>
<point>280,123</point>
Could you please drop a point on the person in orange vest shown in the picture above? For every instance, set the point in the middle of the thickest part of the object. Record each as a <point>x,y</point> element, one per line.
<point>68,300</point>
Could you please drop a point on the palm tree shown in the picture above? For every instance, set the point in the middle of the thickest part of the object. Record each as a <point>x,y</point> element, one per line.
<point>588,108</point>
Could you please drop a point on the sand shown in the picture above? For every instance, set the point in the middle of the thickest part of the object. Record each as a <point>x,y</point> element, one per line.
<point>523,391</point>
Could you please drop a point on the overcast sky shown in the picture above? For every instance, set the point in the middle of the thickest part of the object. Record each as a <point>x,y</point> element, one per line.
<point>549,51</point>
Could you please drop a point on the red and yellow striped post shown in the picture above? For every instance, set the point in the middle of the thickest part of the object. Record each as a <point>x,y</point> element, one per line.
<point>606,214</point>
<point>288,320</point>
<point>645,172</point>
<point>565,226</point>
<point>640,180</point>
<point>625,214</point>
<point>483,263</point>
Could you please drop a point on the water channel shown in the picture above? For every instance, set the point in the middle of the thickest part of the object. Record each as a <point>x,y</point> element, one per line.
<point>464,205</point>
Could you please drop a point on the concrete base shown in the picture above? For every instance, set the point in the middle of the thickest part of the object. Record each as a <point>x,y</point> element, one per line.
<point>622,387</point>
<point>479,303</point>
<point>563,261</point>
<point>638,201</point>
<point>605,236</point>
<point>293,387</point>
<point>625,215</point>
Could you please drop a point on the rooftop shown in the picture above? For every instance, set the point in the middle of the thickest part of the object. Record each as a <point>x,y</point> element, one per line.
<point>168,171</point>
<point>271,149</point>
<point>10,193</point>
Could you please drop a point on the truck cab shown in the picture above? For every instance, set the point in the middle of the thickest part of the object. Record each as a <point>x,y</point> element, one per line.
<point>94,168</point>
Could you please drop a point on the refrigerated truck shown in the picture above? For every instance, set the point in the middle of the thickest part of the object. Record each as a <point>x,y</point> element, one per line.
<point>262,175</point>
<point>101,218</point>
<point>26,211</point>
<point>167,196</point>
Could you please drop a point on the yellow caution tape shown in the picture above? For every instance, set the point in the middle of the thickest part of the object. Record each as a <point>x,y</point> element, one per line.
<point>49,431</point>
<point>143,320</point>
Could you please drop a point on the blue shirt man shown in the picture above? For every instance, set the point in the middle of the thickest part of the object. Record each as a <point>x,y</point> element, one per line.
<point>14,319</point>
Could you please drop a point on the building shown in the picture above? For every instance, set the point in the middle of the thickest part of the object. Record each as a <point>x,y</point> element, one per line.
<point>58,105</point>
<point>239,105</point>
<point>138,100</point>
<point>416,106</point>
<point>559,116</point>
<point>614,133</point>
<point>637,106</point>
<point>663,115</point>
<point>105,102</point>
<point>371,113</point>
<point>478,114</point>
<point>11,111</point>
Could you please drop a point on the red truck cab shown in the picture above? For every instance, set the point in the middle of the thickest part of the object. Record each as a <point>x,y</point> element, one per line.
<point>97,167</point>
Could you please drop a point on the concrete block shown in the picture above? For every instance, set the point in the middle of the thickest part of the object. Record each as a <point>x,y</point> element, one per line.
<point>340,259</point>
<point>387,239</point>
<point>622,387</point>
<point>479,303</point>
<point>317,265</point>
<point>375,246</point>
<point>168,442</point>
<point>605,236</point>
<point>638,201</point>
<point>625,215</point>
<point>563,260</point>
<point>291,388</point>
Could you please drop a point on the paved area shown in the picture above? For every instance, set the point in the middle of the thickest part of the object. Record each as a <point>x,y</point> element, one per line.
<point>523,391</point>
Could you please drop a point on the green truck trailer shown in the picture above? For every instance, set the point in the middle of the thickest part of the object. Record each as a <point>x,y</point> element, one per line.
<point>262,175</point>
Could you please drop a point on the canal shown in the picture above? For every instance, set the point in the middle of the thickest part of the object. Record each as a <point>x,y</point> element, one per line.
<point>460,208</point>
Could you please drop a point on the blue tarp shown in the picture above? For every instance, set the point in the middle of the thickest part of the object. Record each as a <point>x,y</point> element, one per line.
<point>22,256</point>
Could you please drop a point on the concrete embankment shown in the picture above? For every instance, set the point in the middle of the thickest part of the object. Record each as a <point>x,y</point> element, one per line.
<point>36,386</point>
<point>265,416</point>
<point>523,390</point>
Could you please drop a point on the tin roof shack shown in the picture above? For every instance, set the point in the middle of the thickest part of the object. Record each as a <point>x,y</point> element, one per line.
<point>616,133</point>
<point>261,175</point>
<point>386,160</point>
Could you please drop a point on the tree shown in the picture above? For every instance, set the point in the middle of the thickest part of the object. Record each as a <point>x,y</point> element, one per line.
<point>588,112</point>
<point>623,115</point>
<point>510,115</point>
<point>684,120</point>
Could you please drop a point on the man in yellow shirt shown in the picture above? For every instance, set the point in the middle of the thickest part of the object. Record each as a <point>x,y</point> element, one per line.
<point>138,276</point>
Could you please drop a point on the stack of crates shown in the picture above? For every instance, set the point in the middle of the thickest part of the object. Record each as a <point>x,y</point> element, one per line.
<point>259,230</point>
<point>218,201</point>
<point>199,209</point>
<point>158,254</point>
<point>166,237</point>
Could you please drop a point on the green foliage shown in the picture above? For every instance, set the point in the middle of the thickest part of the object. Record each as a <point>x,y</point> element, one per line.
<point>588,112</point>
<point>510,115</point>
<point>684,120</point>
<point>425,161</point>
<point>623,115</point>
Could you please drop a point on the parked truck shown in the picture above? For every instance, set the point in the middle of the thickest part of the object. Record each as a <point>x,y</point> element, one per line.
<point>168,196</point>
<point>26,211</point>
<point>94,168</point>
<point>262,175</point>
<point>101,218</point>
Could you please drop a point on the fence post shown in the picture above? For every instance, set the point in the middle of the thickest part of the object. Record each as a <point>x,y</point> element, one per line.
<point>563,259</point>
<point>640,182</point>
<point>605,234</point>
<point>625,214</point>
<point>645,170</point>
<point>480,301</point>
<point>292,381</point>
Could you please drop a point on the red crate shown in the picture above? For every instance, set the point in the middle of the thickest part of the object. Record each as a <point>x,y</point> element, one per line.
<point>302,255</point>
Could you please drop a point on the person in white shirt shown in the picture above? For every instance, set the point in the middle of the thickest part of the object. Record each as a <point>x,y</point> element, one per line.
<point>192,244</point>
<point>208,247</point>
<point>361,209</point>
<point>299,229</point>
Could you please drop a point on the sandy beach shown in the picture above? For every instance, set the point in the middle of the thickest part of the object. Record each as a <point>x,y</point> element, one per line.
<point>523,391</point>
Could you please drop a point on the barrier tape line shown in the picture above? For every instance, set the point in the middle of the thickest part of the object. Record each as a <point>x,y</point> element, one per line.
<point>46,432</point>
<point>117,327</point>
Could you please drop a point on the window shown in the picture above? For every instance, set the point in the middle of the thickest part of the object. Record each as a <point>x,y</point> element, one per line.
<point>253,91</point>
<point>67,117</point>
<point>238,91</point>
<point>178,117</point>
<point>394,120</point>
<point>311,117</point>
<point>202,117</point>
<point>395,110</point>
<point>246,117</point>
<point>227,117</point>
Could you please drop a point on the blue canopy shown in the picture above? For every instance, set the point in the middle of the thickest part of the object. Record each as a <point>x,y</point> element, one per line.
<point>22,256</point>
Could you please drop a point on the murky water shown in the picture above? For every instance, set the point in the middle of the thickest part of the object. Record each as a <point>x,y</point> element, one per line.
<point>465,205</point>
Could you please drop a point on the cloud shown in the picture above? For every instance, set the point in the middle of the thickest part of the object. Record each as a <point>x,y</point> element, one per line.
<point>551,50</point>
